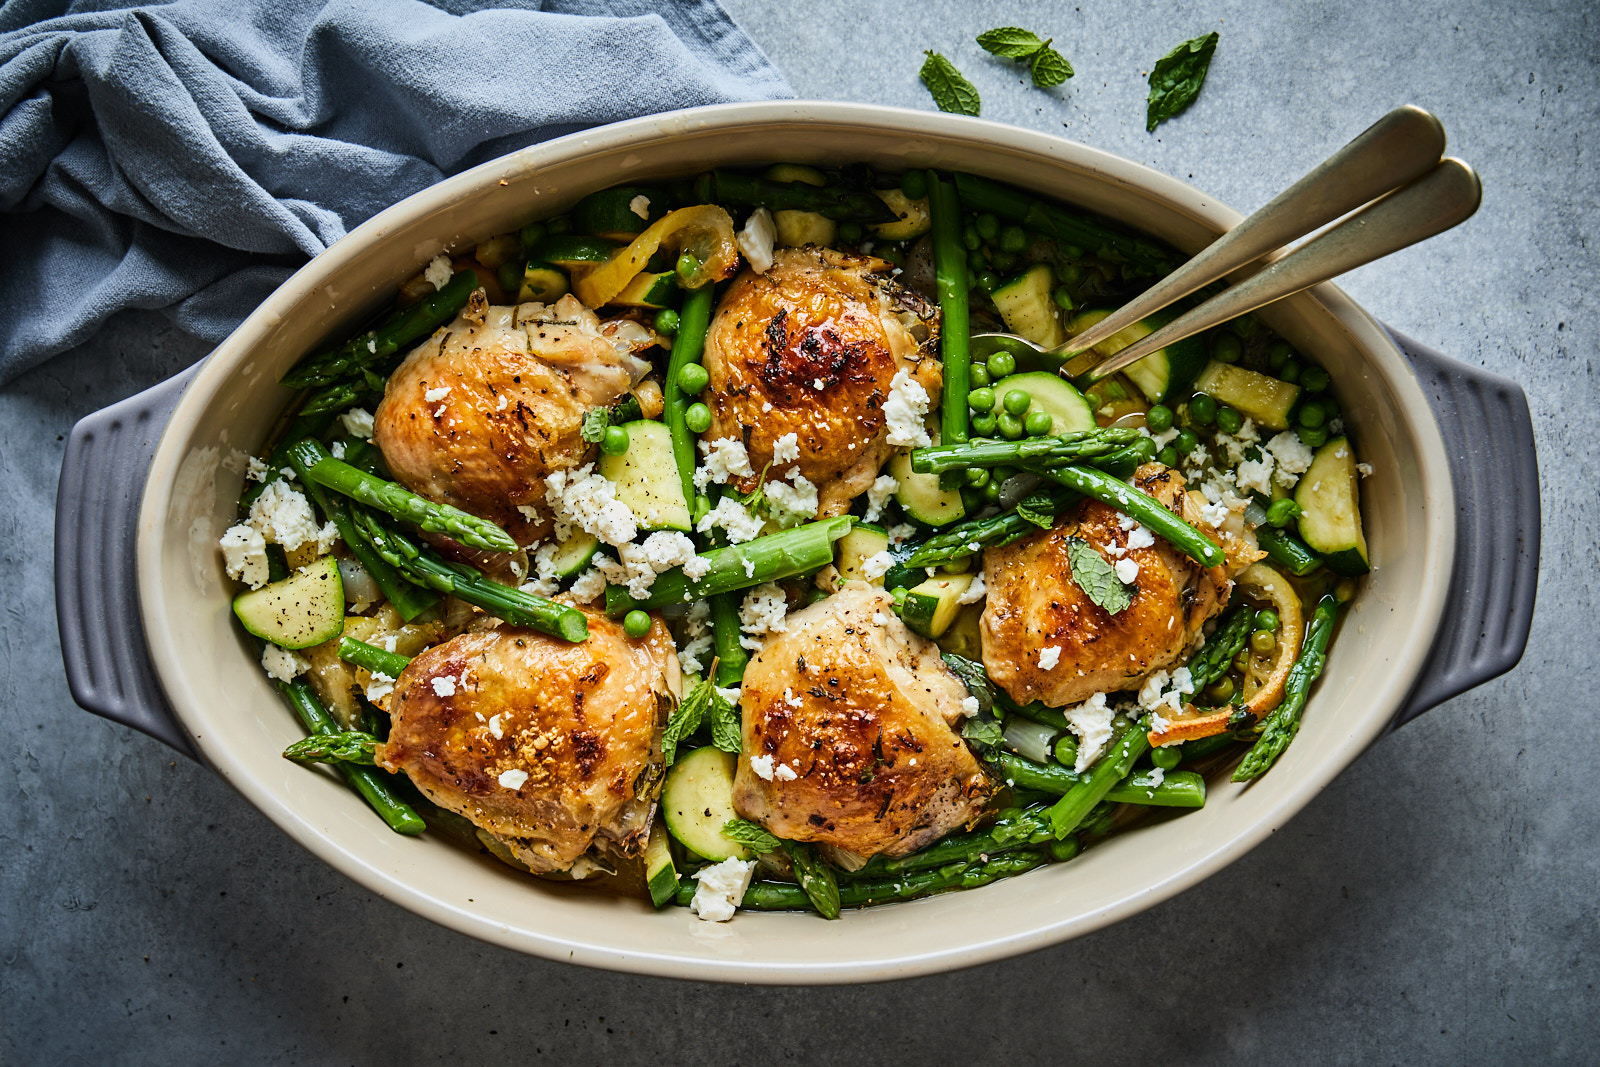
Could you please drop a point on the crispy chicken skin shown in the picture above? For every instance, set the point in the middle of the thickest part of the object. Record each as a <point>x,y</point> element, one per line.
<point>810,348</point>
<point>861,710</point>
<point>581,721</point>
<point>509,388</point>
<point>1034,604</point>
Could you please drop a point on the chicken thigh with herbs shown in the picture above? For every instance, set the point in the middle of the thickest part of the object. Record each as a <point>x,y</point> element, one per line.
<point>849,735</point>
<point>479,414</point>
<point>551,746</point>
<point>811,347</point>
<point>1044,639</point>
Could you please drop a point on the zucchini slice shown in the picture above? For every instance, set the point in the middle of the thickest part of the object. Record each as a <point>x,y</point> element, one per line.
<point>797,228</point>
<point>1164,374</point>
<point>963,636</point>
<point>697,802</point>
<point>912,217</point>
<point>542,283</point>
<point>1329,497</point>
<point>1265,399</point>
<point>1069,412</point>
<point>568,251</point>
<point>920,495</point>
<point>648,290</point>
<point>660,875</point>
<point>572,557</point>
<point>1027,307</point>
<point>646,476</point>
<point>611,213</point>
<point>304,609</point>
<point>931,607</point>
<point>862,542</point>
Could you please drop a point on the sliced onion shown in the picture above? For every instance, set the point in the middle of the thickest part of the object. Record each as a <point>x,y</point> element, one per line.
<point>1029,739</point>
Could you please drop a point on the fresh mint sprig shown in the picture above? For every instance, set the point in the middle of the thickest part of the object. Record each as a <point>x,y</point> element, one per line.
<point>951,91</point>
<point>1097,578</point>
<point>1176,79</point>
<point>1049,67</point>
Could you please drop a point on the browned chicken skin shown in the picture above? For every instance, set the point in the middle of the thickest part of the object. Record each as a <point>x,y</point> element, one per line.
<point>547,744</point>
<point>510,387</point>
<point>860,711</point>
<point>1034,604</point>
<point>810,348</point>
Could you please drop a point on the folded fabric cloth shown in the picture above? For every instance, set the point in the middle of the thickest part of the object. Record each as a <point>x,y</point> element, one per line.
<point>191,155</point>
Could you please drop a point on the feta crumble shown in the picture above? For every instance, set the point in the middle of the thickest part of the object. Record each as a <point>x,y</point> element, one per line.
<point>792,502</point>
<point>786,449</point>
<point>784,773</point>
<point>1127,570</point>
<point>433,396</point>
<point>256,470</point>
<point>975,592</point>
<point>734,518</point>
<point>761,766</point>
<point>1140,537</point>
<point>244,555</point>
<point>282,515</point>
<point>586,500</point>
<point>439,272</point>
<point>495,728</point>
<point>970,706</point>
<point>725,459</point>
<point>756,240</point>
<point>281,664</point>
<point>591,585</point>
<point>1256,474</point>
<point>903,412</point>
<point>876,565</point>
<point>512,779</point>
<point>762,612</point>
<point>379,686</point>
<point>1091,721</point>
<point>1049,656</point>
<point>1293,457</point>
<point>357,422</point>
<point>721,889</point>
<point>878,494</point>
<point>1364,469</point>
<point>640,205</point>
<point>444,686</point>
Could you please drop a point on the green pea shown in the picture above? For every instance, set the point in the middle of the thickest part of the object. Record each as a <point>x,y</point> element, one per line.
<point>615,441</point>
<point>1311,414</point>
<point>666,321</point>
<point>1016,401</point>
<point>1002,364</point>
<point>914,183</point>
<point>1167,457</point>
<point>1063,298</point>
<point>636,623</point>
<point>1005,471</point>
<point>983,424</point>
<point>560,224</point>
<point>970,237</point>
<point>1073,274</point>
<point>692,379</point>
<point>688,264</point>
<point>532,234</point>
<point>1345,591</point>
<point>971,499</point>
<point>1014,239</point>
<point>1003,261</point>
<point>1202,409</point>
<point>895,254</point>
<point>972,277</point>
<point>1158,419</point>
<point>1241,662</point>
<point>1225,347</point>
<point>988,281</point>
<point>1263,641</point>
<point>1281,511</point>
<point>979,375</point>
<point>1267,619</point>
<point>1144,448</point>
<point>1279,353</point>
<point>991,492</point>
<point>1167,757</point>
<point>1220,691</point>
<point>1289,372</point>
<point>1186,442</point>
<point>988,226</point>
<point>981,399</point>
<point>1315,379</point>
<point>978,477</point>
<point>1229,420</point>
<point>1330,406</point>
<point>697,418</point>
<point>1038,423</point>
<point>978,259</point>
<point>850,232</point>
<point>1072,251</point>
<point>1313,436</point>
<point>1011,427</point>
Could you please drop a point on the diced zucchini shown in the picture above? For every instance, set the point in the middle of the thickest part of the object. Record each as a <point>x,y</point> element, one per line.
<point>795,172</point>
<point>572,557</point>
<point>1258,396</point>
<point>1025,304</point>
<point>1069,411</point>
<point>697,802</point>
<point>610,212</point>
<point>304,609</point>
<point>912,216</point>
<point>1164,374</point>
<point>1331,517</point>
<point>497,251</point>
<point>862,543</point>
<point>648,290</point>
<point>920,495</point>
<point>963,636</point>
<point>931,607</point>
<point>569,250</point>
<point>542,283</point>
<point>646,476</point>
<point>660,875</point>
<point>797,228</point>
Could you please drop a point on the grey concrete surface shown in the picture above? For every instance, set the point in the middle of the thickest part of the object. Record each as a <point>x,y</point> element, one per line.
<point>1436,904</point>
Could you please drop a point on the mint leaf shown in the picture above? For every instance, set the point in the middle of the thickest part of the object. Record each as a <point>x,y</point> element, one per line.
<point>1050,68</point>
<point>1177,77</point>
<point>750,835</point>
<point>1013,42</point>
<point>950,90</point>
<point>1039,509</point>
<point>1097,578</point>
<point>975,678</point>
<point>595,423</point>
<point>686,720</point>
<point>984,734</point>
<point>725,724</point>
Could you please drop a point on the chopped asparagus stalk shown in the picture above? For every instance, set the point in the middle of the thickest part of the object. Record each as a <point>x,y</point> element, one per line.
<point>1083,444</point>
<point>1284,722</point>
<point>369,782</point>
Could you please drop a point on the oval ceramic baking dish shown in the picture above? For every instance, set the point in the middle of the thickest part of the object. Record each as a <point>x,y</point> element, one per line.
<point>149,484</point>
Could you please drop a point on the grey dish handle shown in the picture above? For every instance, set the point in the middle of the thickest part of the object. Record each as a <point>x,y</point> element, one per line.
<point>1488,435</point>
<point>97,595</point>
<point>1484,418</point>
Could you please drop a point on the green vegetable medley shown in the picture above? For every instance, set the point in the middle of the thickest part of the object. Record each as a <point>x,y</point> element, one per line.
<point>1218,467</point>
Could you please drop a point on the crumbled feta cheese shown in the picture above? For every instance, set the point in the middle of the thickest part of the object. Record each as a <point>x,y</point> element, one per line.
<point>880,619</point>
<point>749,568</point>
<point>724,459</point>
<point>1049,656</point>
<point>876,565</point>
<point>640,205</point>
<point>282,664</point>
<point>878,494</point>
<point>901,532</point>
<point>591,585</point>
<point>1364,469</point>
<point>439,272</point>
<point>337,449</point>
<point>1091,721</point>
<point>588,501</point>
<point>1256,474</point>
<point>696,632</point>
<point>756,240</point>
<point>379,686</point>
<point>970,706</point>
<point>1156,775</point>
<point>975,592</point>
<point>1163,693</point>
<point>495,728</point>
<point>256,470</point>
<point>792,502</point>
<point>444,686</point>
<point>903,412</point>
<point>1127,570</point>
<point>761,766</point>
<point>721,889</point>
<point>783,773</point>
<point>1293,457</point>
<point>244,555</point>
<point>282,515</point>
<point>357,423</point>
<point>786,449</point>
<point>762,612</point>
<point>433,396</point>
<point>1140,537</point>
<point>512,779</point>
<point>696,568</point>
<point>1214,514</point>
<point>736,520</point>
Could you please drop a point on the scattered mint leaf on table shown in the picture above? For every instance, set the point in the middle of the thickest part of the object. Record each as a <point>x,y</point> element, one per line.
<point>750,835</point>
<point>1049,67</point>
<point>1097,578</point>
<point>950,90</point>
<point>1177,77</point>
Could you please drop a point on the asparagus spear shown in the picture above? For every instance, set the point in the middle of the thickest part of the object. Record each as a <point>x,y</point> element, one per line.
<point>765,559</point>
<point>1128,743</point>
<point>1212,661</point>
<point>373,658</point>
<point>1015,828</point>
<point>313,462</point>
<point>1287,551</point>
<point>1284,722</point>
<point>351,746</point>
<point>842,205</point>
<point>1071,227</point>
<point>784,896</point>
<point>367,781</point>
<point>687,346</point>
<point>388,337</point>
<point>1068,447</point>
<point>955,332</point>
<point>1176,789</point>
<point>424,567</point>
<point>1139,505</point>
<point>815,877</point>
<point>967,537</point>
<point>732,658</point>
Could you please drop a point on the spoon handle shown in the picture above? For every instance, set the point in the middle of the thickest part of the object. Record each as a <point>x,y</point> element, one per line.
<point>1445,197</point>
<point>1398,148</point>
